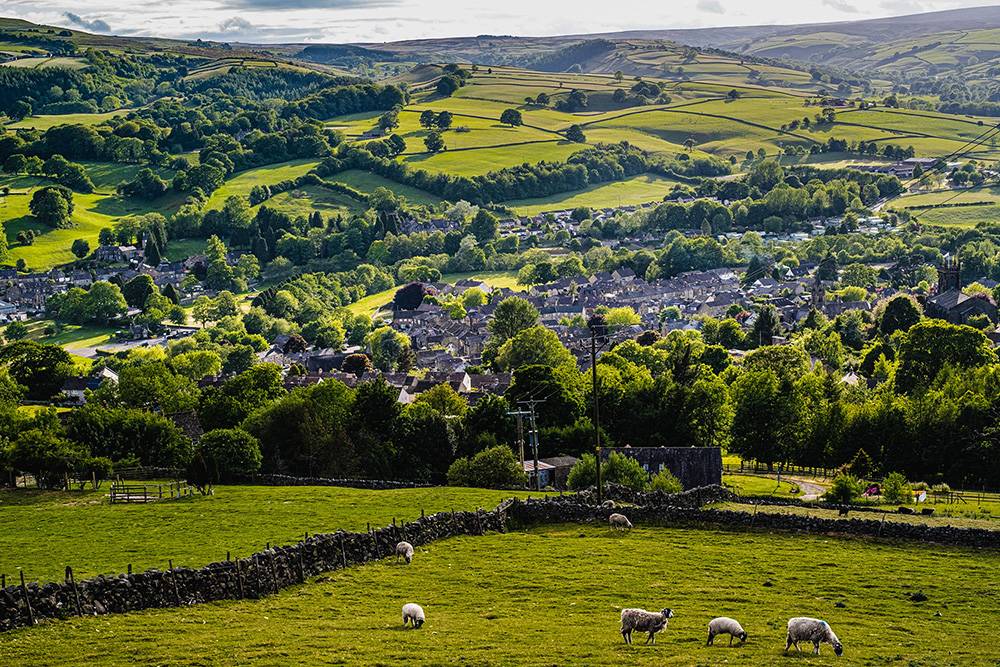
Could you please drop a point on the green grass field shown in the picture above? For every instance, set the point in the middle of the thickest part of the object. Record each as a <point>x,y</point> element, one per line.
<point>366,182</point>
<point>753,485</point>
<point>241,184</point>
<point>636,190</point>
<point>44,122</point>
<point>553,596</point>
<point>43,532</point>
<point>373,303</point>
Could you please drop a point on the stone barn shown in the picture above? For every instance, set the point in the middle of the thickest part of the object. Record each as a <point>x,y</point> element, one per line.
<point>693,466</point>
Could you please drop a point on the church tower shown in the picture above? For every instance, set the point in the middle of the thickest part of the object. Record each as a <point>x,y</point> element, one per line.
<point>949,275</point>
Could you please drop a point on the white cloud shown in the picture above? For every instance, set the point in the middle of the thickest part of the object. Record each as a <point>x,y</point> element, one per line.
<point>841,6</point>
<point>711,6</point>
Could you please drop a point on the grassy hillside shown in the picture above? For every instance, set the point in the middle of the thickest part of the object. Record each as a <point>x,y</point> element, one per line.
<point>81,529</point>
<point>526,597</point>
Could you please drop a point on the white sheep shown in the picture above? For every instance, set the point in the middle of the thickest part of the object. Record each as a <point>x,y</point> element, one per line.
<point>640,620</point>
<point>404,549</point>
<point>814,630</point>
<point>723,625</point>
<point>414,614</point>
<point>619,522</point>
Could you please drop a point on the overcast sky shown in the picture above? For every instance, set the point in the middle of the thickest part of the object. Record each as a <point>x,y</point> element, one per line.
<point>390,20</point>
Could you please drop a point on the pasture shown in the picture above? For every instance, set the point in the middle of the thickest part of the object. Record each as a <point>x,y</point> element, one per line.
<point>373,303</point>
<point>43,531</point>
<point>44,122</point>
<point>239,185</point>
<point>552,595</point>
<point>640,189</point>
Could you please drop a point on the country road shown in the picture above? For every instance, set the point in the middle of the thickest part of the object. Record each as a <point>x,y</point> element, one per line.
<point>810,489</point>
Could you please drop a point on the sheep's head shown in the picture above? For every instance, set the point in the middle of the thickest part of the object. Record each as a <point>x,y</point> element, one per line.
<point>743,636</point>
<point>667,613</point>
<point>838,648</point>
<point>419,621</point>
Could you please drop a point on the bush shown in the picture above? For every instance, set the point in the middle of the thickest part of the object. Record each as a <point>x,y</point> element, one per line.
<point>895,489</point>
<point>845,490</point>
<point>666,482</point>
<point>226,452</point>
<point>493,468</point>
<point>616,469</point>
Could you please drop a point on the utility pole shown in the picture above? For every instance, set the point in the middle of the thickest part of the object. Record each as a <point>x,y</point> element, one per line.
<point>598,327</point>
<point>533,435</point>
<point>520,415</point>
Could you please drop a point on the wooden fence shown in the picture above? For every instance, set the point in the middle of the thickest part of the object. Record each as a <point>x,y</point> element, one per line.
<point>754,468</point>
<point>148,493</point>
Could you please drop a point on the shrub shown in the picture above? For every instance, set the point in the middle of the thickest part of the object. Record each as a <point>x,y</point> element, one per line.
<point>616,469</point>
<point>895,489</point>
<point>226,452</point>
<point>666,482</point>
<point>492,468</point>
<point>941,488</point>
<point>845,490</point>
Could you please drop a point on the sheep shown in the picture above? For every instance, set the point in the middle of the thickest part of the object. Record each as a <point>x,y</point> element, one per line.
<point>725,626</point>
<point>814,630</point>
<point>404,549</point>
<point>644,621</point>
<point>619,522</point>
<point>414,614</point>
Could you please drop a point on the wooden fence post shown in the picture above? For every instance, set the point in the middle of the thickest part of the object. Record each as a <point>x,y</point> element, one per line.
<point>3,581</point>
<point>130,569</point>
<point>173,583</point>
<point>27,600</point>
<point>76,591</point>
<point>239,578</point>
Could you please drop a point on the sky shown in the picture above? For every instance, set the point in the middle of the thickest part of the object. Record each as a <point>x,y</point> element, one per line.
<point>339,21</point>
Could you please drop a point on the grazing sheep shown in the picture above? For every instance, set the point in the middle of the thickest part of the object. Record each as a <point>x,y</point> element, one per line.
<point>404,549</point>
<point>724,625</point>
<point>608,504</point>
<point>619,522</point>
<point>414,614</point>
<point>640,620</point>
<point>813,630</point>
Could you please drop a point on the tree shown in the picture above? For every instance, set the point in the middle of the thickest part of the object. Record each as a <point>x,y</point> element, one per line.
<point>576,135</point>
<point>765,327</point>
<point>227,453</point>
<point>444,120</point>
<point>390,349</point>
<point>138,290</point>
<point>80,248</point>
<point>15,331</point>
<point>534,346</point>
<point>931,345</point>
<point>41,369</point>
<point>900,313</point>
<point>151,253</point>
<point>20,110</point>
<point>53,206</point>
<point>765,175</point>
<point>444,399</point>
<point>104,302</point>
<point>447,85</point>
<point>511,316</point>
<point>427,119</point>
<point>409,297</point>
<point>484,226</point>
<point>511,117</point>
<point>895,489</point>
<point>767,417</point>
<point>434,142</point>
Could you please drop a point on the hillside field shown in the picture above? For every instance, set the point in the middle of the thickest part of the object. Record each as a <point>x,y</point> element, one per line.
<point>552,596</point>
<point>81,529</point>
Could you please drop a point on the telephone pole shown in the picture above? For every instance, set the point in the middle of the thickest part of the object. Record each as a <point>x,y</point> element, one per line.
<point>520,415</point>
<point>598,329</point>
<point>533,435</point>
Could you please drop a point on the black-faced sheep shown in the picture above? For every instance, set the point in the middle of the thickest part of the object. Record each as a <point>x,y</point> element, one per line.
<point>724,625</point>
<point>619,522</point>
<point>640,620</point>
<point>813,630</point>
<point>413,613</point>
<point>404,549</point>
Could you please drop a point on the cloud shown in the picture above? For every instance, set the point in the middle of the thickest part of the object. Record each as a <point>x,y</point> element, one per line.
<point>904,6</point>
<point>236,24</point>
<point>841,6</point>
<point>711,6</point>
<point>96,25</point>
<point>284,5</point>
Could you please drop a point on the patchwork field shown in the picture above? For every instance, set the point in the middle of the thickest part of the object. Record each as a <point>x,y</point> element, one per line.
<point>636,190</point>
<point>241,184</point>
<point>82,530</point>
<point>44,122</point>
<point>553,595</point>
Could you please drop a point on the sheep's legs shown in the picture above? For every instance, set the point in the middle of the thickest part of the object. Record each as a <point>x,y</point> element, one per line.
<point>816,648</point>
<point>627,636</point>
<point>730,640</point>
<point>651,638</point>
<point>711,639</point>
